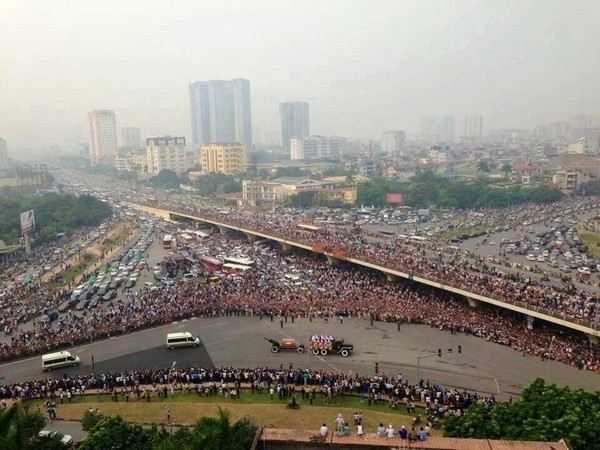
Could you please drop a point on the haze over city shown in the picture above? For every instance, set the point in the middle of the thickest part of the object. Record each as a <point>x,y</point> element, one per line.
<point>364,67</point>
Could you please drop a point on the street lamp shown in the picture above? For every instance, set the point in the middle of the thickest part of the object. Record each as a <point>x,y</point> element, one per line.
<point>438,354</point>
<point>169,412</point>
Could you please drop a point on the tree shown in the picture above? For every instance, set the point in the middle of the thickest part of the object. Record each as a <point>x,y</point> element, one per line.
<point>220,434</point>
<point>166,179</point>
<point>209,433</point>
<point>544,413</point>
<point>19,428</point>
<point>217,183</point>
<point>114,433</point>
<point>506,169</point>
<point>90,419</point>
<point>483,166</point>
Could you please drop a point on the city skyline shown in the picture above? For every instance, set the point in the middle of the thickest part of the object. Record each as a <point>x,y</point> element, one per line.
<point>220,112</point>
<point>295,122</point>
<point>481,59</point>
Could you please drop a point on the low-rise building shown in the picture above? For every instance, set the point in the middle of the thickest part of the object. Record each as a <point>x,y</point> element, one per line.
<point>229,159</point>
<point>168,153</point>
<point>568,182</point>
<point>262,191</point>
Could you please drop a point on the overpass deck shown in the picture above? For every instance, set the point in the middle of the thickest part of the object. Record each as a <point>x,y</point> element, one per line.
<point>592,330</point>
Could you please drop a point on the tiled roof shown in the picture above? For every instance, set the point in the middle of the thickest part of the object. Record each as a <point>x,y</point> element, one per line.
<point>372,441</point>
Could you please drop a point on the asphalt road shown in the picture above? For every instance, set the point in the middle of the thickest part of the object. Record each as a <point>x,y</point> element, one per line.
<point>238,341</point>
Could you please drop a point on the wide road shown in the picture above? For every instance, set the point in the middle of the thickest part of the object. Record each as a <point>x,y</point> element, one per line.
<point>238,342</point>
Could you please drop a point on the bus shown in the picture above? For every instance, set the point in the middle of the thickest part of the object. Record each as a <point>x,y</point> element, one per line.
<point>307,227</point>
<point>211,264</point>
<point>239,261</point>
<point>168,241</point>
<point>200,235</point>
<point>236,269</point>
<point>186,238</point>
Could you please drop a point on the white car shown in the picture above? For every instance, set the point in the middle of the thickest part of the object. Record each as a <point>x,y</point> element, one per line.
<point>530,257</point>
<point>541,259</point>
<point>66,440</point>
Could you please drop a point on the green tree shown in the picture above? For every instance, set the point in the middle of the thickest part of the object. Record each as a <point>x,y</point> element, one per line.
<point>90,419</point>
<point>483,166</point>
<point>506,169</point>
<point>115,434</point>
<point>544,413</point>
<point>19,428</point>
<point>217,184</point>
<point>220,434</point>
<point>166,179</point>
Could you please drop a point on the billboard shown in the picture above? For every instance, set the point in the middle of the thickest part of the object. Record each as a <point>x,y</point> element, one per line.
<point>27,221</point>
<point>395,198</point>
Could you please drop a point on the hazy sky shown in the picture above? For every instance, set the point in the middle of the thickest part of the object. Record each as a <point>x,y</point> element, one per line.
<point>364,66</point>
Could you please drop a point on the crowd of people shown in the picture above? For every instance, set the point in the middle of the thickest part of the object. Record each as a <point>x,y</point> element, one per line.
<point>559,300</point>
<point>329,292</point>
<point>309,384</point>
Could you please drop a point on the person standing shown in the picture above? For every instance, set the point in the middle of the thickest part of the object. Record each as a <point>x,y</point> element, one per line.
<point>339,422</point>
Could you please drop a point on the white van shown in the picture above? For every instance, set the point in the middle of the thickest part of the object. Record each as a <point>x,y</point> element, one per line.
<point>184,339</point>
<point>58,360</point>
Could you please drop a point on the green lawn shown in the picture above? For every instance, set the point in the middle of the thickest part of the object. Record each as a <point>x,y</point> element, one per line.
<point>246,397</point>
<point>592,240</point>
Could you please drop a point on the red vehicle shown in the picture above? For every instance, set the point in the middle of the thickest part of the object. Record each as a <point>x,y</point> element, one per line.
<point>211,264</point>
<point>286,344</point>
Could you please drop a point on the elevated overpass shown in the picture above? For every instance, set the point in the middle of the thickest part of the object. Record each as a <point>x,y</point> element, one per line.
<point>592,330</point>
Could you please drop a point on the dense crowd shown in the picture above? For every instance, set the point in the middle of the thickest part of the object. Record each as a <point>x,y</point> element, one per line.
<point>214,381</point>
<point>561,300</point>
<point>345,290</point>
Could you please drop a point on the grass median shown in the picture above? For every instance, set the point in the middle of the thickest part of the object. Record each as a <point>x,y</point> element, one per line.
<point>186,409</point>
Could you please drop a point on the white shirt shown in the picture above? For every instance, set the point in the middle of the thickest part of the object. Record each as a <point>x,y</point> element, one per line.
<point>324,430</point>
<point>359,430</point>
<point>390,432</point>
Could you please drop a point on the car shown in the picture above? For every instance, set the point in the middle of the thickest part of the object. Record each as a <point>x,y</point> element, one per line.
<point>130,283</point>
<point>109,295</point>
<point>81,305</point>
<point>566,269</point>
<point>541,259</point>
<point>150,286</point>
<point>530,257</point>
<point>49,317</point>
<point>94,301</point>
<point>66,440</point>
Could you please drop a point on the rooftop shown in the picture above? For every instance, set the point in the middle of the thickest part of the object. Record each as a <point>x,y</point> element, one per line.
<point>372,441</point>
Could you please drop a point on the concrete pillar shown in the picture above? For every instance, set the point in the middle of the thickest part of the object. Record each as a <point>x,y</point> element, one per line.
<point>332,260</point>
<point>594,340</point>
<point>472,302</point>
<point>251,237</point>
<point>222,230</point>
<point>286,247</point>
<point>391,278</point>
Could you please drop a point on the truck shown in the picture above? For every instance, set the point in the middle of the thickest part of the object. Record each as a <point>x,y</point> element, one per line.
<point>332,345</point>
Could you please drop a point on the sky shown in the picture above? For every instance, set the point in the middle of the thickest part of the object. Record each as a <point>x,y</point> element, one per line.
<point>364,66</point>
